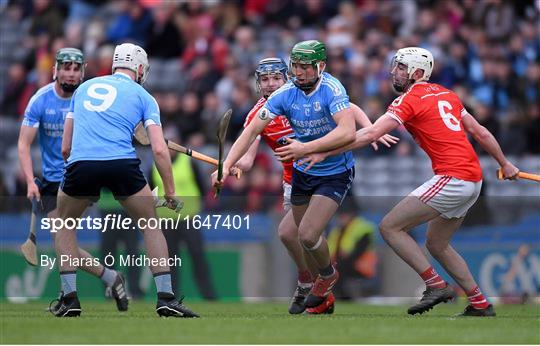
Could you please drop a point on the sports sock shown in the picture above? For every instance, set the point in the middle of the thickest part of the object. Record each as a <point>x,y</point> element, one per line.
<point>327,271</point>
<point>477,299</point>
<point>163,282</point>
<point>108,276</point>
<point>69,281</point>
<point>304,278</point>
<point>432,279</point>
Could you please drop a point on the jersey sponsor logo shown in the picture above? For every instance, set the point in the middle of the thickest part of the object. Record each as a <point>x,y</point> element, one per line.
<point>53,129</point>
<point>50,111</point>
<point>295,106</point>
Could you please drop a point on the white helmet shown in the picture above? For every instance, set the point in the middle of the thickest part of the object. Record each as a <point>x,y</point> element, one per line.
<point>415,58</point>
<point>131,56</point>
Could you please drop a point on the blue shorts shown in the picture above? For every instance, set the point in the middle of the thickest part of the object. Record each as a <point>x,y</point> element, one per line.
<point>334,186</point>
<point>85,179</point>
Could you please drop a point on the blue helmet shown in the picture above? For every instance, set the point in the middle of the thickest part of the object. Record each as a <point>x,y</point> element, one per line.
<point>270,66</point>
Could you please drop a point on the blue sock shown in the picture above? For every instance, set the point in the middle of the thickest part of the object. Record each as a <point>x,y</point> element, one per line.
<point>108,276</point>
<point>69,282</point>
<point>163,282</point>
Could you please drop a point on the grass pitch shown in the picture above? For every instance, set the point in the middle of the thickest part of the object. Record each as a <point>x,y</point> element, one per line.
<point>227,323</point>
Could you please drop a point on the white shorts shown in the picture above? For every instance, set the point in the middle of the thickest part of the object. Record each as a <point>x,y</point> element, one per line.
<point>287,196</point>
<point>452,197</point>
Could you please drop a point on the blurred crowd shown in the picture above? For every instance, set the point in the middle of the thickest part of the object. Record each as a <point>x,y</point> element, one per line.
<point>203,55</point>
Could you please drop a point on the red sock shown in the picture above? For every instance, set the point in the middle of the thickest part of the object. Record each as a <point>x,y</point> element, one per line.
<point>304,277</point>
<point>432,279</point>
<point>477,299</point>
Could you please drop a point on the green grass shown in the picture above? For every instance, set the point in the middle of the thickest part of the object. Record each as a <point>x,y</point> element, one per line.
<point>229,323</point>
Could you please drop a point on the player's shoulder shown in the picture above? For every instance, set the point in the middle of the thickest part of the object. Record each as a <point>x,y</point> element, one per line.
<point>258,105</point>
<point>44,91</point>
<point>42,95</point>
<point>424,90</point>
<point>331,84</point>
<point>254,110</point>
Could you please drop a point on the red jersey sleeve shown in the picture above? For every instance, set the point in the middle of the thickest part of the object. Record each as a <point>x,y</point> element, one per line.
<point>402,108</point>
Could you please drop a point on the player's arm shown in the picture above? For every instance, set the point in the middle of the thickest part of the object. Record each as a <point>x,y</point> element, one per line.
<point>162,158</point>
<point>363,137</point>
<point>67,138</point>
<point>246,162</point>
<point>489,144</point>
<point>26,138</point>
<point>242,144</point>
<point>362,119</point>
<point>341,135</point>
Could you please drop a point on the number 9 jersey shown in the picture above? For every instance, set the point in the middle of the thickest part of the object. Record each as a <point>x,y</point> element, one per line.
<point>105,111</point>
<point>432,114</point>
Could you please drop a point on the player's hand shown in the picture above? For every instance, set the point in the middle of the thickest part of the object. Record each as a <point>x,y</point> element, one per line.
<point>510,172</point>
<point>236,171</point>
<point>173,203</point>
<point>294,150</point>
<point>219,183</point>
<point>388,140</point>
<point>33,191</point>
<point>311,159</point>
<point>65,153</point>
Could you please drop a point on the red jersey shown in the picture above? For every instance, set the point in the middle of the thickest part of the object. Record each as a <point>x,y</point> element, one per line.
<point>432,114</point>
<point>278,128</point>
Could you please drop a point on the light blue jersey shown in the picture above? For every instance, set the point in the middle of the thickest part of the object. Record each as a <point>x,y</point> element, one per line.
<point>105,111</point>
<point>311,117</point>
<point>47,111</point>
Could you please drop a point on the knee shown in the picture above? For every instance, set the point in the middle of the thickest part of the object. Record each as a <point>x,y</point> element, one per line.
<point>386,228</point>
<point>287,233</point>
<point>307,238</point>
<point>435,246</point>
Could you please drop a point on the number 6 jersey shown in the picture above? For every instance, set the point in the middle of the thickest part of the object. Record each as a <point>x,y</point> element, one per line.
<point>105,111</point>
<point>432,114</point>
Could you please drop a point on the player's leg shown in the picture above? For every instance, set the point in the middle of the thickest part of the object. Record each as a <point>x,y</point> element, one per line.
<point>172,238</point>
<point>67,253</point>
<point>112,279</point>
<point>140,206</point>
<point>394,228</point>
<point>288,233</point>
<point>328,193</point>
<point>317,215</point>
<point>440,231</point>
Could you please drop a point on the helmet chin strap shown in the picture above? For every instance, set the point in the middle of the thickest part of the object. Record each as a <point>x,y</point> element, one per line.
<point>69,88</point>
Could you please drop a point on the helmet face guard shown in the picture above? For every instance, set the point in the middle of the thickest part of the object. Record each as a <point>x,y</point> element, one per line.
<point>131,57</point>
<point>68,55</point>
<point>413,58</point>
<point>312,53</point>
<point>269,66</point>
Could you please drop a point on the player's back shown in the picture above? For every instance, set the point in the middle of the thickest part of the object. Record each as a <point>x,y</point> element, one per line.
<point>432,114</point>
<point>105,112</point>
